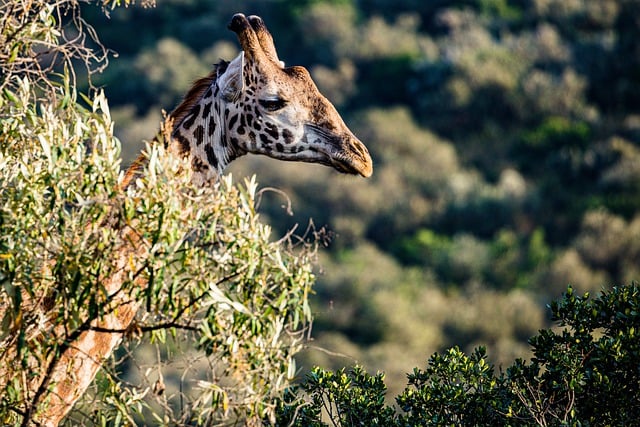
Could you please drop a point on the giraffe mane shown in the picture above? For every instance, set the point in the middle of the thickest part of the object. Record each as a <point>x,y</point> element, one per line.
<point>196,92</point>
<point>176,117</point>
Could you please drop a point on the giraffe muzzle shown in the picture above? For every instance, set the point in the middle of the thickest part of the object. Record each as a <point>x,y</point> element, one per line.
<point>345,153</point>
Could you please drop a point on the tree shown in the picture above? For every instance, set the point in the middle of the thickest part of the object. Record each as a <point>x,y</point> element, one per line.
<point>583,373</point>
<point>208,283</point>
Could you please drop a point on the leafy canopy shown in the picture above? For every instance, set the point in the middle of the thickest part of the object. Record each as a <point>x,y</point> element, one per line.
<point>220,300</point>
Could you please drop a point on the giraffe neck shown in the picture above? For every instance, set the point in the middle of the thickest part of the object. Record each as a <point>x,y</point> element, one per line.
<point>201,129</point>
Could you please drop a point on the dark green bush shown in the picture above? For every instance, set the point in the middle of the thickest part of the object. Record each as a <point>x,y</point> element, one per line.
<point>584,373</point>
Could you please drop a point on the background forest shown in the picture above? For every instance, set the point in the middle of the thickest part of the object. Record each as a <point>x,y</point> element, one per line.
<point>506,143</point>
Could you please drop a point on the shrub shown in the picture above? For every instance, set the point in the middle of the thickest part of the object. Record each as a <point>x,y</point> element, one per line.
<point>583,373</point>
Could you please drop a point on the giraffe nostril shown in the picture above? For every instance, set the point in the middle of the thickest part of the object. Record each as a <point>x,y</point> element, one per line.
<point>364,164</point>
<point>353,157</point>
<point>361,150</point>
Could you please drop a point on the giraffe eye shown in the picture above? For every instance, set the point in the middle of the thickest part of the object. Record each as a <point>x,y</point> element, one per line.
<point>272,104</point>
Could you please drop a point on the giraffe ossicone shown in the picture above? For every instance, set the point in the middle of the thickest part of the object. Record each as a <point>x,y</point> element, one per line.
<point>254,104</point>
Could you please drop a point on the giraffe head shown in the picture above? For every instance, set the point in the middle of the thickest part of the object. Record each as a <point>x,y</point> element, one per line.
<point>285,115</point>
<point>254,104</point>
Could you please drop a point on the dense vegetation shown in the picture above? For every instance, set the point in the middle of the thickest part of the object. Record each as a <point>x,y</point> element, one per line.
<point>506,142</point>
<point>222,306</point>
<point>585,374</point>
<point>505,136</point>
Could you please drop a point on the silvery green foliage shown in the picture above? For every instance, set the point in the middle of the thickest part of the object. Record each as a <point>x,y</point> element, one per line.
<point>222,302</point>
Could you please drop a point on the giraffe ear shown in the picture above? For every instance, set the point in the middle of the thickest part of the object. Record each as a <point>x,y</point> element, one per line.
<point>231,82</point>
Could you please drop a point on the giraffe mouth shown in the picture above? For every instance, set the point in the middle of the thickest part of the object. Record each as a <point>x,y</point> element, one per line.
<point>345,153</point>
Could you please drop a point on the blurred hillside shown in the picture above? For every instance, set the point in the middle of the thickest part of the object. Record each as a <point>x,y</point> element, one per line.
<point>506,141</point>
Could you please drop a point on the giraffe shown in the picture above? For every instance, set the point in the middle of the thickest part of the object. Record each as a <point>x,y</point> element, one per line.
<point>252,104</point>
